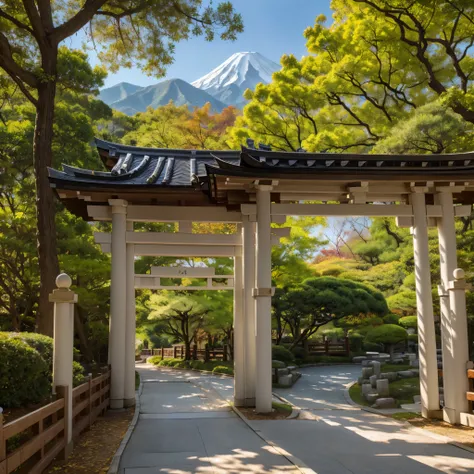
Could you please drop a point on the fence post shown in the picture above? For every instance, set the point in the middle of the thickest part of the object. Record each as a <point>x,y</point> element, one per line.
<point>326,345</point>
<point>90,400</point>
<point>175,352</point>
<point>3,448</point>
<point>64,391</point>
<point>162,353</point>
<point>64,299</point>
<point>206,353</point>
<point>224,355</point>
<point>195,352</point>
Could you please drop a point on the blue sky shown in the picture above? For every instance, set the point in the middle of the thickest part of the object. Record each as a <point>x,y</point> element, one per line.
<point>272,27</point>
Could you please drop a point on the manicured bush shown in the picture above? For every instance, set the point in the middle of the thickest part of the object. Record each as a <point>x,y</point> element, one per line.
<point>408,322</point>
<point>298,352</point>
<point>391,319</point>
<point>222,369</point>
<point>25,376</point>
<point>283,354</point>
<point>413,338</point>
<point>155,360</point>
<point>388,334</point>
<point>78,376</point>
<point>372,346</point>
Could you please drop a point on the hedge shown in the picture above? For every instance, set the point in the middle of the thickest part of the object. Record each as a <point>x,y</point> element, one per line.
<point>222,369</point>
<point>26,365</point>
<point>408,322</point>
<point>282,354</point>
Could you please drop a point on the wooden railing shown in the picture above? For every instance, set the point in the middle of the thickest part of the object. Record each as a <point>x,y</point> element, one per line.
<point>330,348</point>
<point>89,400</point>
<point>30,443</point>
<point>470,393</point>
<point>179,352</point>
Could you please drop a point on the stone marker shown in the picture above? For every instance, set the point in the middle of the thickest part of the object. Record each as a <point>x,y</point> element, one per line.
<point>386,403</point>
<point>372,397</point>
<point>383,387</point>
<point>358,359</point>
<point>373,380</point>
<point>281,372</point>
<point>390,376</point>
<point>367,372</point>
<point>366,388</point>
<point>416,398</point>
<point>405,374</point>
<point>286,380</point>
<point>278,364</point>
<point>376,366</point>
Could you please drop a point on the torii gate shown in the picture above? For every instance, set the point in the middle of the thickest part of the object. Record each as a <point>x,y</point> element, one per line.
<point>252,188</point>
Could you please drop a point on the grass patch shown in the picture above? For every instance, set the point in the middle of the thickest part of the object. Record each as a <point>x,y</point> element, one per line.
<point>355,392</point>
<point>395,367</point>
<point>405,416</point>
<point>282,408</point>
<point>404,390</point>
<point>137,380</point>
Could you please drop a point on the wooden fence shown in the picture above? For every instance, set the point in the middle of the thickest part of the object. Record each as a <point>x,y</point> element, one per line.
<point>29,444</point>
<point>470,393</point>
<point>179,352</point>
<point>330,348</point>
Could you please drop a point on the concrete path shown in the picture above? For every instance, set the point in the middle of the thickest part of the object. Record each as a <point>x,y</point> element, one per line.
<point>183,428</point>
<point>334,437</point>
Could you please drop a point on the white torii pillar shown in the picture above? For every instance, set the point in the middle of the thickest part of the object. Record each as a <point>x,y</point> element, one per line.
<point>130,325</point>
<point>424,302</point>
<point>239,335</point>
<point>118,301</point>
<point>250,361</point>
<point>454,338</point>
<point>263,296</point>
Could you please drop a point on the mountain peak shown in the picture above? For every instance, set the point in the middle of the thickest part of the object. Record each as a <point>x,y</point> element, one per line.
<point>242,70</point>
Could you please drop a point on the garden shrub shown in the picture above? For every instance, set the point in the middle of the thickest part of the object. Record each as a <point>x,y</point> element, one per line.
<point>391,319</point>
<point>78,376</point>
<point>413,338</point>
<point>372,346</point>
<point>388,334</point>
<point>283,354</point>
<point>298,352</point>
<point>25,377</point>
<point>408,322</point>
<point>222,369</point>
<point>326,359</point>
<point>155,360</point>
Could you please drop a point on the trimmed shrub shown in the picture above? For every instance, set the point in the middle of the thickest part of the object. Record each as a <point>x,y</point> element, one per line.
<point>222,369</point>
<point>78,376</point>
<point>326,359</point>
<point>388,334</point>
<point>391,319</point>
<point>298,352</point>
<point>25,376</point>
<point>155,360</point>
<point>283,354</point>
<point>372,346</point>
<point>413,338</point>
<point>408,322</point>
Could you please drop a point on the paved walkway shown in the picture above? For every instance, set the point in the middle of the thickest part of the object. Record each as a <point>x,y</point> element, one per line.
<point>185,429</point>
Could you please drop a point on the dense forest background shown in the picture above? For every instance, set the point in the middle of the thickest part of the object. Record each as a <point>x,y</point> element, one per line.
<point>384,77</point>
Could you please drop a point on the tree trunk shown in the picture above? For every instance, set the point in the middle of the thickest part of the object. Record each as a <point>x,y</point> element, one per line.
<point>45,208</point>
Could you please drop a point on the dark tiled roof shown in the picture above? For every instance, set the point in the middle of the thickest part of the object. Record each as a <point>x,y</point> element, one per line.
<point>144,167</point>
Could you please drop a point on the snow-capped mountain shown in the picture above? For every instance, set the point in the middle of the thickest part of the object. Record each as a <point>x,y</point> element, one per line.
<point>223,86</point>
<point>241,71</point>
<point>176,90</point>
